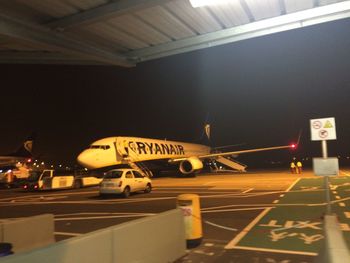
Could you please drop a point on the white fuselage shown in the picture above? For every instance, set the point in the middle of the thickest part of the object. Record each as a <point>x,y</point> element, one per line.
<point>119,150</point>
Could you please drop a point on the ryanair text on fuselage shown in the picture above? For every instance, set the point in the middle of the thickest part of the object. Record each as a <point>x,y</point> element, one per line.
<point>156,148</point>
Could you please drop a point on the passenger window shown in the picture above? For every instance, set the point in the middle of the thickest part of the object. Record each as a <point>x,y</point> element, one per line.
<point>129,175</point>
<point>46,174</point>
<point>137,175</point>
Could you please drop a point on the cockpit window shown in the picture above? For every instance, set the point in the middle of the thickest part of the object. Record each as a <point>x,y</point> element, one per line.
<point>104,147</point>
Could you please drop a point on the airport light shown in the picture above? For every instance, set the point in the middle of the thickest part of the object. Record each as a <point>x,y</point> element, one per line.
<point>199,3</point>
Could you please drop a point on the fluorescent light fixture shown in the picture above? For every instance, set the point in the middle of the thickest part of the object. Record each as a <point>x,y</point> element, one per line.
<point>199,3</point>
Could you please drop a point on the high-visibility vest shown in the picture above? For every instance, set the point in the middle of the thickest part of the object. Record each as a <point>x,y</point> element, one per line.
<point>292,165</point>
<point>299,164</point>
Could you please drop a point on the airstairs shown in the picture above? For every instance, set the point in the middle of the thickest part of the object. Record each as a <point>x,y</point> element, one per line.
<point>142,168</point>
<point>232,164</point>
<point>131,158</point>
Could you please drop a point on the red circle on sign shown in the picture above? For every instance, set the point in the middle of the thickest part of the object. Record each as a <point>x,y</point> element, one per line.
<point>323,134</point>
<point>316,124</point>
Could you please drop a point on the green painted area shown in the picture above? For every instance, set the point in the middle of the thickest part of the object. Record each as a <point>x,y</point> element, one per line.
<point>295,224</point>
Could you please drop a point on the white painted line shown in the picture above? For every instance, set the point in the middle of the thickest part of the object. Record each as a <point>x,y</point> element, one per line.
<point>98,217</point>
<point>219,226</point>
<point>281,196</point>
<point>248,190</point>
<point>97,213</point>
<point>277,251</point>
<point>203,252</point>
<point>335,192</point>
<point>337,197</point>
<point>342,204</point>
<point>245,231</point>
<point>234,210</point>
<point>67,234</point>
<point>208,244</point>
<point>275,202</point>
<point>292,185</point>
<point>212,182</point>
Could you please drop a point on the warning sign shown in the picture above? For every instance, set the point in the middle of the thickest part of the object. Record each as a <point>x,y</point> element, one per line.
<point>328,125</point>
<point>323,129</point>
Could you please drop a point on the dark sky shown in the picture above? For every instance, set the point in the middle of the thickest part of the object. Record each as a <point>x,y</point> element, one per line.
<point>260,91</point>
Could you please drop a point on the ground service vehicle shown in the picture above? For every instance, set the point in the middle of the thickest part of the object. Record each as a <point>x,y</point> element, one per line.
<point>50,179</point>
<point>124,181</point>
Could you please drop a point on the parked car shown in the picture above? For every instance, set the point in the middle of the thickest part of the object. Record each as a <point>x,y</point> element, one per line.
<point>124,181</point>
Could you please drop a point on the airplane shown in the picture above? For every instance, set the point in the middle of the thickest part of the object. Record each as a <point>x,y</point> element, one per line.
<point>22,154</point>
<point>188,157</point>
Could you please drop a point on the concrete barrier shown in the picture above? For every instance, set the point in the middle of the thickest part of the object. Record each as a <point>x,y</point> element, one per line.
<point>28,233</point>
<point>334,249</point>
<point>159,238</point>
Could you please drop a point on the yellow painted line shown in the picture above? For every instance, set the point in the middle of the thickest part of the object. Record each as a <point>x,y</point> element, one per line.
<point>233,242</point>
<point>277,251</point>
<point>236,239</point>
<point>293,184</point>
<point>345,173</point>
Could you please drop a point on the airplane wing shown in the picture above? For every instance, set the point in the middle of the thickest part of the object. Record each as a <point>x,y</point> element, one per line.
<point>213,155</point>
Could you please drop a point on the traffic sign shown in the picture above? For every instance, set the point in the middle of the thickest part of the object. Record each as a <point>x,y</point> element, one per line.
<point>323,129</point>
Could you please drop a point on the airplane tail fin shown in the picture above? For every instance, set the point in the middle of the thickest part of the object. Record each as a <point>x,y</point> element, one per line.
<point>26,149</point>
<point>207,130</point>
<point>205,137</point>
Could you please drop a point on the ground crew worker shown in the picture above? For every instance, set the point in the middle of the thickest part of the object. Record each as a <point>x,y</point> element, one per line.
<point>292,167</point>
<point>299,167</point>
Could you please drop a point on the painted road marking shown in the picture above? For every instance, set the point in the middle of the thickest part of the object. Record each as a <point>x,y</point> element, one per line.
<point>292,229</point>
<point>248,190</point>
<point>233,242</point>
<point>344,172</point>
<point>270,235</point>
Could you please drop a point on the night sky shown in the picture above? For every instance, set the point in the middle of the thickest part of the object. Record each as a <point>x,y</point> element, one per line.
<point>260,92</point>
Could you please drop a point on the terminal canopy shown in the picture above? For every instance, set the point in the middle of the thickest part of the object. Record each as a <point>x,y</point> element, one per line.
<point>126,32</point>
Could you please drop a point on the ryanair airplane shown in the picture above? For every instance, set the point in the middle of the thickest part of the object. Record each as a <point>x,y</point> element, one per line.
<point>189,157</point>
<point>22,154</point>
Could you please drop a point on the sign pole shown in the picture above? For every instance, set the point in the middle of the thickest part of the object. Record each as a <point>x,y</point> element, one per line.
<point>326,179</point>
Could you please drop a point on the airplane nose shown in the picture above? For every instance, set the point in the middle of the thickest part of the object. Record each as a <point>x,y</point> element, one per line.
<point>83,159</point>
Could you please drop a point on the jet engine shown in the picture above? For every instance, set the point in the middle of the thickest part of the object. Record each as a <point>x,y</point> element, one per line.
<point>190,165</point>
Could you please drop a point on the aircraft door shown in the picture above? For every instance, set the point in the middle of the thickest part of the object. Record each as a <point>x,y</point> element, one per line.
<point>121,148</point>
